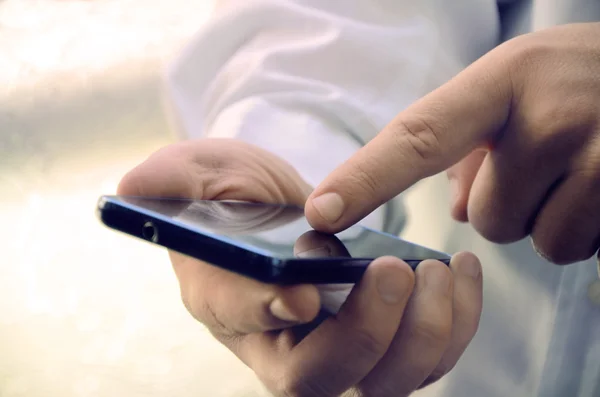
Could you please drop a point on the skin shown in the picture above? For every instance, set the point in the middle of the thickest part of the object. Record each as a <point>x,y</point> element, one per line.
<point>520,131</point>
<point>398,331</point>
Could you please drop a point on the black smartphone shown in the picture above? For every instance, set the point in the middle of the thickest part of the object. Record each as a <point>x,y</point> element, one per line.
<point>268,242</point>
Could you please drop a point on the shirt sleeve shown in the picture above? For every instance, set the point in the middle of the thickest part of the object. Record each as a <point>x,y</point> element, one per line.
<point>313,81</point>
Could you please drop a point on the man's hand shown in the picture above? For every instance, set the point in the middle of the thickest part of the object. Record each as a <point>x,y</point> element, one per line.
<point>520,129</point>
<point>398,330</point>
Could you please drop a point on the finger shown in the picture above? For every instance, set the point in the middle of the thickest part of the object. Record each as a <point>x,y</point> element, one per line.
<point>426,138</point>
<point>567,229</point>
<point>467,304</point>
<point>423,336</point>
<point>461,176</point>
<point>520,173</point>
<point>344,348</point>
<point>231,305</point>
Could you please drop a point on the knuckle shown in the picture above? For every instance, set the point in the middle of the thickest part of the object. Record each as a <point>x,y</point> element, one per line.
<point>494,224</point>
<point>500,234</point>
<point>366,344</point>
<point>549,112</point>
<point>525,52</point>
<point>383,389</point>
<point>561,250</point>
<point>468,322</point>
<point>432,332</point>
<point>401,384</point>
<point>419,136</point>
<point>367,182</point>
<point>294,384</point>
<point>131,184</point>
<point>547,251</point>
<point>435,376</point>
<point>554,118</point>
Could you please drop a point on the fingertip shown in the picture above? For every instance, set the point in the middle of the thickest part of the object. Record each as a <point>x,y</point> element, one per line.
<point>394,264</point>
<point>458,199</point>
<point>332,212</point>
<point>435,276</point>
<point>165,173</point>
<point>466,263</point>
<point>395,279</point>
<point>298,303</point>
<point>461,177</point>
<point>458,211</point>
<point>324,211</point>
<point>464,256</point>
<point>427,264</point>
<point>129,184</point>
<point>136,181</point>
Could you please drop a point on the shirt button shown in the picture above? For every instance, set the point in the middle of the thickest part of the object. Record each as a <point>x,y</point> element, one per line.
<point>593,292</point>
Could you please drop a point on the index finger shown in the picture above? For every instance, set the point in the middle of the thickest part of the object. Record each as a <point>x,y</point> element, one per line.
<point>426,138</point>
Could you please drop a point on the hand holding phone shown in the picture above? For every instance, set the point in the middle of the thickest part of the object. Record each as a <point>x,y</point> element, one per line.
<point>373,339</point>
<point>268,242</point>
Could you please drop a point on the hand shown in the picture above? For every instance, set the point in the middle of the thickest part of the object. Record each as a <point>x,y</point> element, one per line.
<point>523,124</point>
<point>386,339</point>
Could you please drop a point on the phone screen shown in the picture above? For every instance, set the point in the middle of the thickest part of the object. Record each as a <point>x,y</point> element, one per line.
<point>277,231</point>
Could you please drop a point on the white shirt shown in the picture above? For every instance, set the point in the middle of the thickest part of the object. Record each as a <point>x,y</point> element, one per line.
<point>312,81</point>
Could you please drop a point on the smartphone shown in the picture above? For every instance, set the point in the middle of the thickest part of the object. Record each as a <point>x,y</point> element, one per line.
<point>267,242</point>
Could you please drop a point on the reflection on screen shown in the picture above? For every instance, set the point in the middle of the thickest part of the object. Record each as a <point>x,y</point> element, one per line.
<point>278,230</point>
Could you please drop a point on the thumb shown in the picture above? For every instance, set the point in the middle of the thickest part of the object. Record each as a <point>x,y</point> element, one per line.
<point>231,305</point>
<point>461,177</point>
<point>426,138</point>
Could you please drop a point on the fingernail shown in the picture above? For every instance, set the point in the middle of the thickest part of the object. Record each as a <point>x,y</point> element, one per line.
<point>330,206</point>
<point>282,312</point>
<point>315,253</point>
<point>470,267</point>
<point>438,278</point>
<point>391,286</point>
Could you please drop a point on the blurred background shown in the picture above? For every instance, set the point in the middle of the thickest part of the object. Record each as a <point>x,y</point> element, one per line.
<point>85,311</point>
